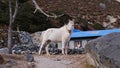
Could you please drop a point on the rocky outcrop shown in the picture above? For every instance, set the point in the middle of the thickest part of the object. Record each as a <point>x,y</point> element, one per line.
<point>35,38</point>
<point>89,9</point>
<point>23,43</point>
<point>104,52</point>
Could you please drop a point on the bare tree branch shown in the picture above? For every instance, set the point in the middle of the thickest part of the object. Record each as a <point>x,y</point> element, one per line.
<point>10,25</point>
<point>10,9</point>
<point>11,21</point>
<point>16,10</point>
<point>38,8</point>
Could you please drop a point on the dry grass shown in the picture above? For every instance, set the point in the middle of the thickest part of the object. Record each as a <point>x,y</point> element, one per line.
<point>13,56</point>
<point>18,61</point>
<point>87,65</point>
<point>74,61</point>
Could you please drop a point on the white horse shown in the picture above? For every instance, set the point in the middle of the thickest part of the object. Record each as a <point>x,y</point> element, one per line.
<point>55,35</point>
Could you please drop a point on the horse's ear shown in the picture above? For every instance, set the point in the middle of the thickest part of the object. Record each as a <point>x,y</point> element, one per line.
<point>73,19</point>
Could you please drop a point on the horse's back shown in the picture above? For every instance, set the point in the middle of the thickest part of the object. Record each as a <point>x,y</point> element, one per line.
<point>53,34</point>
<point>56,34</point>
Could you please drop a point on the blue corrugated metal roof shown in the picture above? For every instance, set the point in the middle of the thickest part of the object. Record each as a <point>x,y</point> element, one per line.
<point>95,33</point>
<point>76,30</point>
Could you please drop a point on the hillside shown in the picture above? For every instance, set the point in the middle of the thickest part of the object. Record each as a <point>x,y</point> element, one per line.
<point>89,14</point>
<point>90,10</point>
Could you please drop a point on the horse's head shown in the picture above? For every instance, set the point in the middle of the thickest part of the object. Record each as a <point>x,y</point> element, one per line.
<point>70,25</point>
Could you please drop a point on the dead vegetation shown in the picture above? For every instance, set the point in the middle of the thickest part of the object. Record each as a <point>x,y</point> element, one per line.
<point>87,65</point>
<point>15,61</point>
<point>70,61</point>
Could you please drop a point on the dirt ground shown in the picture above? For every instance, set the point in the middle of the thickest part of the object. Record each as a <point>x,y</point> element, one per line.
<point>44,61</point>
<point>60,61</point>
<point>15,61</point>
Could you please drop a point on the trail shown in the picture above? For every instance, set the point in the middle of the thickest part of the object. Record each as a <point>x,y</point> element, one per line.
<point>59,61</point>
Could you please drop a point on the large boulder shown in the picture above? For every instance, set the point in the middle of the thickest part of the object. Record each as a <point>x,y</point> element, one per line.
<point>22,43</point>
<point>104,52</point>
<point>35,38</point>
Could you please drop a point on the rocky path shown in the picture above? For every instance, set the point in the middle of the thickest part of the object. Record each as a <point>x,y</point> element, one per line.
<point>42,62</point>
<point>59,61</point>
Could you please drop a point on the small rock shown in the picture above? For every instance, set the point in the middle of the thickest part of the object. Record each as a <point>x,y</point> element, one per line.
<point>102,5</point>
<point>111,19</point>
<point>2,66</point>
<point>31,65</point>
<point>10,63</point>
<point>4,50</point>
<point>58,59</point>
<point>29,57</point>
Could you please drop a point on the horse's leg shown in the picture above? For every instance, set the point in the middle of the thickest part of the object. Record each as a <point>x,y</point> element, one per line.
<point>66,48</point>
<point>63,48</point>
<point>47,50</point>
<point>47,46</point>
<point>41,47</point>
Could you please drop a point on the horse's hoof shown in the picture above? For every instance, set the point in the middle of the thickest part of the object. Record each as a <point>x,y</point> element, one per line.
<point>62,54</point>
<point>39,53</point>
<point>48,54</point>
<point>66,54</point>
